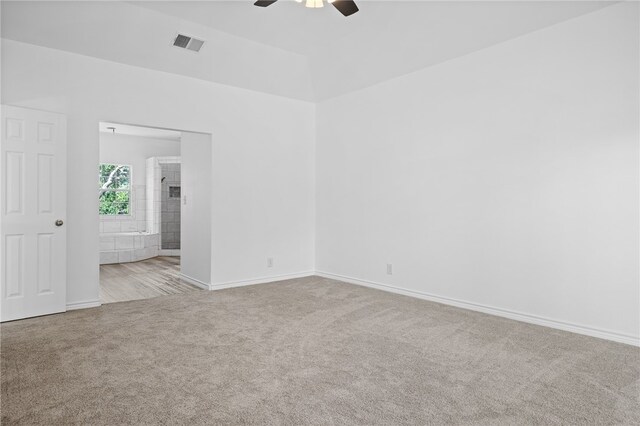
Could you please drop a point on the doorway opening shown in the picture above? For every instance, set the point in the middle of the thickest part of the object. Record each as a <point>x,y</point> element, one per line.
<point>141,203</point>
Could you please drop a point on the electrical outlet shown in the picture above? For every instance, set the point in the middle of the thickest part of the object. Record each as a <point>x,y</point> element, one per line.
<point>389,269</point>
<point>269,262</point>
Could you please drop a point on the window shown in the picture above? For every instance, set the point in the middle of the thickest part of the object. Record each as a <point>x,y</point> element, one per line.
<point>114,193</point>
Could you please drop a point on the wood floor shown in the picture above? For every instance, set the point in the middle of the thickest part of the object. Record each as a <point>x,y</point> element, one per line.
<point>142,280</point>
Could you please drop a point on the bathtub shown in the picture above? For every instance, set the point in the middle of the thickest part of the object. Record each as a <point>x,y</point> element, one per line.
<point>126,247</point>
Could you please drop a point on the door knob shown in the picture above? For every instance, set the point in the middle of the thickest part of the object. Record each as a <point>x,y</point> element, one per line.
<point>59,222</point>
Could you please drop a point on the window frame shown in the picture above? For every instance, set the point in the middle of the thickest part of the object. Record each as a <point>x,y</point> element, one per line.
<point>129,190</point>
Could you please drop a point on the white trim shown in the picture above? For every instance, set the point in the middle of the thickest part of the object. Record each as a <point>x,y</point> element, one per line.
<point>170,159</point>
<point>83,305</point>
<point>261,280</point>
<point>505,313</point>
<point>195,282</point>
<point>169,252</point>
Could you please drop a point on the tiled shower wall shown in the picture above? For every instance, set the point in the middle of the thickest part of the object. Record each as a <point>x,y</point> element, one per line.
<point>153,195</point>
<point>170,206</point>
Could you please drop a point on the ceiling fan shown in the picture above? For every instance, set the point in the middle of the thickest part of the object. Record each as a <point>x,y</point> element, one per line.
<point>346,7</point>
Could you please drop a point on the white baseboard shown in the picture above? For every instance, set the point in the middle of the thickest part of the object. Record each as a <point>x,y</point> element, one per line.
<point>83,305</point>
<point>195,282</point>
<point>261,280</point>
<point>169,252</point>
<point>518,316</point>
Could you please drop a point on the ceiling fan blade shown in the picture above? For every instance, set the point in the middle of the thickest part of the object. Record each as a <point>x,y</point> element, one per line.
<point>264,3</point>
<point>346,7</point>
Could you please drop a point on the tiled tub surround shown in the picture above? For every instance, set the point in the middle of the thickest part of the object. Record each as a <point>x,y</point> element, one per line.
<point>128,247</point>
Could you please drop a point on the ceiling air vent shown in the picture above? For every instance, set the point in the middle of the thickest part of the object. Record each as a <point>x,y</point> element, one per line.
<point>188,42</point>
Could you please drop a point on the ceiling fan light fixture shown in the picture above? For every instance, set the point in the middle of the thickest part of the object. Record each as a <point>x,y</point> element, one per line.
<point>346,7</point>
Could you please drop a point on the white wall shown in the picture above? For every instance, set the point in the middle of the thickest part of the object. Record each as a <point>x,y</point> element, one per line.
<point>507,178</point>
<point>195,224</point>
<point>262,145</point>
<point>134,151</point>
<point>130,33</point>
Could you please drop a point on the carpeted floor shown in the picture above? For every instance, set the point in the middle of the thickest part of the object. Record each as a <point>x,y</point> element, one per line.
<point>308,351</point>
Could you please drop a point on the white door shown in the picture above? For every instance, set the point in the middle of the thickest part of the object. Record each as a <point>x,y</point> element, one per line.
<point>33,204</point>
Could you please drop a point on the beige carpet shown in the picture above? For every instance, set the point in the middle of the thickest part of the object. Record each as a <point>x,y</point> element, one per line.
<point>308,351</point>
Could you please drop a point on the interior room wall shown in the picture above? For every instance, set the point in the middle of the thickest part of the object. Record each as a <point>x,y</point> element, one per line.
<point>196,208</point>
<point>263,164</point>
<point>505,180</point>
<point>132,151</point>
<point>143,36</point>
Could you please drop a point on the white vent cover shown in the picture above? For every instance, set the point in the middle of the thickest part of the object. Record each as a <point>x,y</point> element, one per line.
<point>188,42</point>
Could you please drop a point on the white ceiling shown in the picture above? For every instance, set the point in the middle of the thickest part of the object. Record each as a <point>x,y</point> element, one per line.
<point>291,26</point>
<point>140,131</point>
<point>284,49</point>
<point>286,24</point>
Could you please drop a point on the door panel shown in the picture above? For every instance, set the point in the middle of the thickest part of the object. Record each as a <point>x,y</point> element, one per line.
<point>14,266</point>
<point>14,178</point>
<point>45,183</point>
<point>33,195</point>
<point>45,263</point>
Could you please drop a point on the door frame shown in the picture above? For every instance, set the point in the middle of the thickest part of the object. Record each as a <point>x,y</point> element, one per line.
<point>203,283</point>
